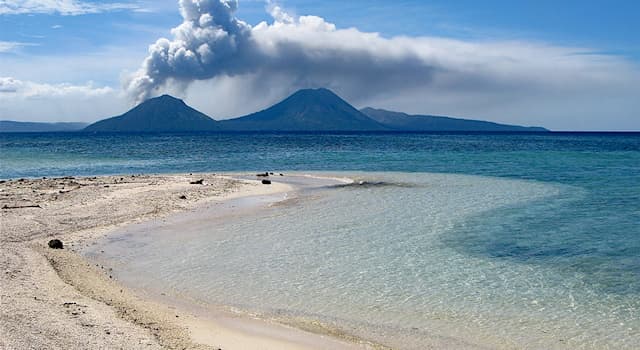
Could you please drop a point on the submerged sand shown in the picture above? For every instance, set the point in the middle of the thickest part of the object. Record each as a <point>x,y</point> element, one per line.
<point>56,299</point>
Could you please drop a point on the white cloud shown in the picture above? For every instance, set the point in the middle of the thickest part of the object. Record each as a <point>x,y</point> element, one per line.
<point>28,100</point>
<point>13,46</point>
<point>62,7</point>
<point>29,89</point>
<point>510,81</point>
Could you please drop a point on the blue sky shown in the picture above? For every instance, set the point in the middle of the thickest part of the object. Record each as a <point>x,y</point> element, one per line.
<point>95,46</point>
<point>607,26</point>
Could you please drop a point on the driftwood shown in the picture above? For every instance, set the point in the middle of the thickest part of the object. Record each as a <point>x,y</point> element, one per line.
<point>21,206</point>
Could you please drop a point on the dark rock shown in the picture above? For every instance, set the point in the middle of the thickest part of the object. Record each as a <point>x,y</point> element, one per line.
<point>281,174</point>
<point>197,182</point>
<point>23,206</point>
<point>55,244</point>
<point>265,174</point>
<point>183,197</point>
<point>270,173</point>
<point>266,182</point>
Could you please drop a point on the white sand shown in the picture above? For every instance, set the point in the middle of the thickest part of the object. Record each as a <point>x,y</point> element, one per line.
<point>56,299</point>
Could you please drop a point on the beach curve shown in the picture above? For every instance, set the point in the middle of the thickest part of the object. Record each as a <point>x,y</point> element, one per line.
<point>58,299</point>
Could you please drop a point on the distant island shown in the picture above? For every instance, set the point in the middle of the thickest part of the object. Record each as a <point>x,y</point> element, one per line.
<point>13,126</point>
<point>406,122</point>
<point>305,110</point>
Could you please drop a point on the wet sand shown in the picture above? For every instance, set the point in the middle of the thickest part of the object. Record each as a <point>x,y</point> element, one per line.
<point>58,299</point>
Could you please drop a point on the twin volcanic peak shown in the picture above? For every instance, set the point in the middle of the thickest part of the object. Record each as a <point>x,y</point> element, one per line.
<point>305,110</point>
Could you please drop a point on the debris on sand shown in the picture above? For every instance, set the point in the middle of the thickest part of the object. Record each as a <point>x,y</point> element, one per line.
<point>55,244</point>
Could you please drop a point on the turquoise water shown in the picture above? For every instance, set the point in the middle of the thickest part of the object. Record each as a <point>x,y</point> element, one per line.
<point>531,241</point>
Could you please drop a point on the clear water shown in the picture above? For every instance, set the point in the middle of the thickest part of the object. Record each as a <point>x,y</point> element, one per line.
<point>530,241</point>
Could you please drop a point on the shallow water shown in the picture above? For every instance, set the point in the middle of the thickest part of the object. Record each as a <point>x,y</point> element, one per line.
<point>401,264</point>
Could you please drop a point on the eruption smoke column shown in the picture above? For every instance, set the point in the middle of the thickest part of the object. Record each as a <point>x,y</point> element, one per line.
<point>307,50</point>
<point>210,41</point>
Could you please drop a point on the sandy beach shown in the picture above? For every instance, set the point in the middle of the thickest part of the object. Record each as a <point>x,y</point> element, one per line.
<point>57,299</point>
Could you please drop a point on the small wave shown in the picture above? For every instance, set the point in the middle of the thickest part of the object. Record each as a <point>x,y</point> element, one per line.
<point>374,184</point>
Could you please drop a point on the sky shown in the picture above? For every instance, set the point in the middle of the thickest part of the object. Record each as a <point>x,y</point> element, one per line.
<point>564,65</point>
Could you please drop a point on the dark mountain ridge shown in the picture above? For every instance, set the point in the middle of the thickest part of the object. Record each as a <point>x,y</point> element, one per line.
<point>315,110</point>
<point>159,114</point>
<point>406,122</point>
<point>306,110</point>
<point>15,126</point>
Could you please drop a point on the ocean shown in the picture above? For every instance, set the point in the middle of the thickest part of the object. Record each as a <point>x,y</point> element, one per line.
<point>503,240</point>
